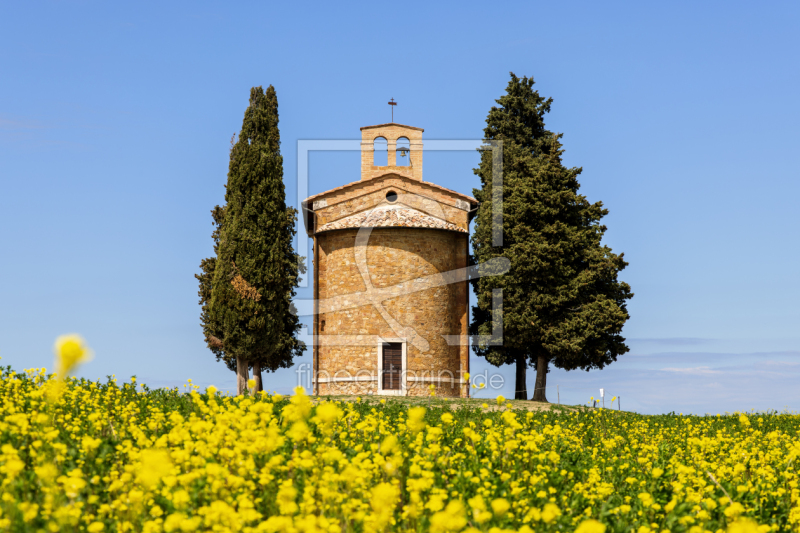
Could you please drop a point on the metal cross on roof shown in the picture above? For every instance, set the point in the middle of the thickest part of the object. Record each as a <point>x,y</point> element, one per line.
<point>392,103</point>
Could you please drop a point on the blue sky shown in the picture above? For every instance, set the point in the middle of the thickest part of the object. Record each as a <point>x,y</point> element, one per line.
<point>115,123</point>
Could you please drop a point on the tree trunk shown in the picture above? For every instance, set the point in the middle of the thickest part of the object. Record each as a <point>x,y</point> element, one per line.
<point>540,389</point>
<point>257,376</point>
<point>242,375</point>
<point>521,388</point>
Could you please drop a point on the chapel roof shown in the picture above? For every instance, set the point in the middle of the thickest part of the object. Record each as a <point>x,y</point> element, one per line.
<point>391,175</point>
<point>391,124</point>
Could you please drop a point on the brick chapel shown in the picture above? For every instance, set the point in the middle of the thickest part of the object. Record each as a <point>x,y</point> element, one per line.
<point>391,316</point>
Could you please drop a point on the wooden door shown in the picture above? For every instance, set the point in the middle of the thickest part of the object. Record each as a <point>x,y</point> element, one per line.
<point>392,365</point>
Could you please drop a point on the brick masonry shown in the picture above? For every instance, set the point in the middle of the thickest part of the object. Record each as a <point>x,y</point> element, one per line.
<point>393,256</point>
<point>391,132</point>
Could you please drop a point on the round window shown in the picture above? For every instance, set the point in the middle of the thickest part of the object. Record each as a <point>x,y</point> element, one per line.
<point>391,196</point>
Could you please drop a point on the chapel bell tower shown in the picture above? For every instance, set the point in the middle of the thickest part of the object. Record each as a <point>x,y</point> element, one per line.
<point>391,148</point>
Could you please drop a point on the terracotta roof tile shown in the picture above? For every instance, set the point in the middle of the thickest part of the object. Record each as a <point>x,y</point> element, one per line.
<point>391,124</point>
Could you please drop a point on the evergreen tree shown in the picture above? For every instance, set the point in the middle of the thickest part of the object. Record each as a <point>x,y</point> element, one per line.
<point>247,314</point>
<point>211,329</point>
<point>562,302</point>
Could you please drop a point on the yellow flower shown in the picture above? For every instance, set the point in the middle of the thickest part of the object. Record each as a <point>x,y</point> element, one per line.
<point>180,499</point>
<point>383,501</point>
<point>70,351</point>
<point>298,432</point>
<point>479,512</point>
<point>73,484</point>
<point>95,527</point>
<point>211,390</point>
<point>286,498</point>
<point>500,399</point>
<point>435,504</point>
<point>154,464</point>
<point>657,472</point>
<point>477,503</point>
<point>383,495</point>
<point>328,413</point>
<point>299,406</point>
<point>452,518</point>
<point>466,376</point>
<point>388,445</point>
<point>734,510</point>
<point>47,472</point>
<point>29,511</point>
<point>251,383</point>
<point>550,512</point>
<point>500,506</point>
<point>416,422</point>
<point>591,526</point>
<point>447,418</point>
<point>745,525</point>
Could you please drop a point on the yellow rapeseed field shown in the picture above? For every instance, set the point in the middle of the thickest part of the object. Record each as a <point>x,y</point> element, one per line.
<point>77,455</point>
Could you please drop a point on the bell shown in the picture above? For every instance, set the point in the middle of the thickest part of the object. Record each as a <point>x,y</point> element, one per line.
<point>403,152</point>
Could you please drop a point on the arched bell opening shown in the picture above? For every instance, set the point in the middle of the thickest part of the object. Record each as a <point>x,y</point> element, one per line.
<point>403,152</point>
<point>380,152</point>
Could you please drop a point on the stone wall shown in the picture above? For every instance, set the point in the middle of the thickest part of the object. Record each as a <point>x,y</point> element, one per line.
<point>393,255</point>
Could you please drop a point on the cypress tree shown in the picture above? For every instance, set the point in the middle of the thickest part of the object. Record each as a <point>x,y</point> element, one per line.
<point>562,301</point>
<point>211,329</point>
<point>247,314</point>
